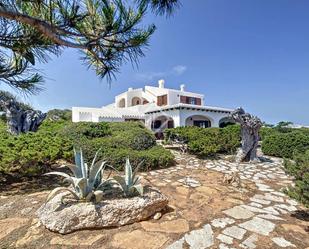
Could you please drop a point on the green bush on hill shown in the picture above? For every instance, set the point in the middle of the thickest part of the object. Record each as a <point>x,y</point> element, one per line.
<point>299,168</point>
<point>33,153</point>
<point>285,144</point>
<point>207,142</point>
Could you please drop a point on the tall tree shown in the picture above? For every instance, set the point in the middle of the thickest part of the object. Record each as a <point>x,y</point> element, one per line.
<point>107,32</point>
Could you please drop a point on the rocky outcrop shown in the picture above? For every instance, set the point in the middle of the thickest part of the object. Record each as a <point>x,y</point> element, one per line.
<point>66,218</point>
<point>250,126</point>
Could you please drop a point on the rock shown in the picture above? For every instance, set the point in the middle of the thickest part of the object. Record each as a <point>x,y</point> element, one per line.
<point>32,234</point>
<point>202,238</point>
<point>282,242</point>
<point>249,243</point>
<point>157,216</point>
<point>76,240</point>
<point>222,222</point>
<point>173,226</point>
<point>138,239</point>
<point>269,217</point>
<point>10,224</point>
<point>239,212</point>
<point>225,239</point>
<point>258,225</point>
<point>177,244</point>
<point>66,218</point>
<point>234,232</point>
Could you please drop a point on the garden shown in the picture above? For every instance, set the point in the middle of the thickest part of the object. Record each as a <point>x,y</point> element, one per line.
<point>111,183</point>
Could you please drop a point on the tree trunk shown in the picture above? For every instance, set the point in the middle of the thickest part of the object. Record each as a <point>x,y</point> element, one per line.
<point>19,120</point>
<point>250,126</point>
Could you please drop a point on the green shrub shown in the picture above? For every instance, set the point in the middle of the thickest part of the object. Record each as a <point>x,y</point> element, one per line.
<point>299,168</point>
<point>33,153</point>
<point>75,131</point>
<point>266,131</point>
<point>57,114</point>
<point>285,144</point>
<point>207,142</point>
<point>154,158</point>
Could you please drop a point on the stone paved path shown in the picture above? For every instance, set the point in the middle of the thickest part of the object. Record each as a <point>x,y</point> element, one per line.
<point>243,226</point>
<point>203,212</point>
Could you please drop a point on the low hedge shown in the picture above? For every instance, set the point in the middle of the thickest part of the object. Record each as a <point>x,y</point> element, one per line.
<point>285,144</point>
<point>207,142</point>
<point>34,152</point>
<point>299,168</point>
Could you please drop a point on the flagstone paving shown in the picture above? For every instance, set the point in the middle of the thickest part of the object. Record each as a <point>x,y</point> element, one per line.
<point>203,212</point>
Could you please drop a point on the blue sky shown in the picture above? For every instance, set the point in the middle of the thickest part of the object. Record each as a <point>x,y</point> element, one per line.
<point>253,54</point>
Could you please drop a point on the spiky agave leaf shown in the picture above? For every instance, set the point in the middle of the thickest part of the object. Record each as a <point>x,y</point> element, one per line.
<point>59,174</point>
<point>122,183</point>
<point>94,173</point>
<point>89,196</point>
<point>139,188</point>
<point>74,169</point>
<point>81,184</point>
<point>128,173</point>
<point>60,189</point>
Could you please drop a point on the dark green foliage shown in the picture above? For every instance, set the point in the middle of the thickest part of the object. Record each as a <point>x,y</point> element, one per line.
<point>33,153</point>
<point>76,131</point>
<point>267,131</point>
<point>108,33</point>
<point>57,114</point>
<point>285,144</point>
<point>299,168</point>
<point>208,142</point>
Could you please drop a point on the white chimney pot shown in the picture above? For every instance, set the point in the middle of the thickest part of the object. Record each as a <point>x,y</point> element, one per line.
<point>182,87</point>
<point>161,83</point>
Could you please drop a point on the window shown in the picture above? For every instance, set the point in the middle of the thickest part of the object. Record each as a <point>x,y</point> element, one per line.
<point>190,100</point>
<point>157,124</point>
<point>202,123</point>
<point>162,100</point>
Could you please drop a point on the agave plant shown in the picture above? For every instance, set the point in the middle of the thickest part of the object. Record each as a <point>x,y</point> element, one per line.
<point>130,182</point>
<point>87,182</point>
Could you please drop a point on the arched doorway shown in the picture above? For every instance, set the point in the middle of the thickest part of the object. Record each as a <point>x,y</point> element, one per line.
<point>159,124</point>
<point>122,103</point>
<point>199,121</point>
<point>226,121</point>
<point>136,101</point>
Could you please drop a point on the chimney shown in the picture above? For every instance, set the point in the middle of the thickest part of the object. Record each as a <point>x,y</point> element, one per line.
<point>161,83</point>
<point>182,87</point>
<point>130,89</point>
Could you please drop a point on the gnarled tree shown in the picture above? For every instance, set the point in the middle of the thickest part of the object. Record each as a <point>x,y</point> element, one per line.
<point>250,126</point>
<point>107,32</point>
<point>20,118</point>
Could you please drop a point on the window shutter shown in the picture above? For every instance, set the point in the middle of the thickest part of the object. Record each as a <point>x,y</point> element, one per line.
<point>183,99</point>
<point>198,101</point>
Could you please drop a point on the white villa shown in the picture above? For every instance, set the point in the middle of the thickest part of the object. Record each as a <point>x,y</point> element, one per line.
<point>158,108</point>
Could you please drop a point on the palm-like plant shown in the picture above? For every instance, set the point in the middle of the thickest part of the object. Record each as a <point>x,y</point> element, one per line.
<point>130,182</point>
<point>87,182</point>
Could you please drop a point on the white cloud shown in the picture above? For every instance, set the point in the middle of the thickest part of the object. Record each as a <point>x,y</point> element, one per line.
<point>179,69</point>
<point>150,76</point>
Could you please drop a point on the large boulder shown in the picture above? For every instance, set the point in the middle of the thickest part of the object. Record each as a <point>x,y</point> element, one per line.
<point>71,216</point>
